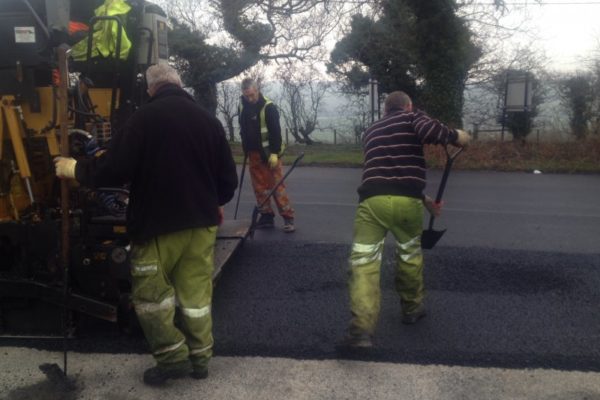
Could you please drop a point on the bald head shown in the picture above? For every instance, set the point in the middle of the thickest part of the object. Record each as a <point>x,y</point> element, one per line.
<point>397,100</point>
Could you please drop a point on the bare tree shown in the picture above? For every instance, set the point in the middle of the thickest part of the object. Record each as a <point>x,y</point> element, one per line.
<point>358,114</point>
<point>301,100</point>
<point>496,25</point>
<point>217,40</point>
<point>228,105</point>
<point>269,30</point>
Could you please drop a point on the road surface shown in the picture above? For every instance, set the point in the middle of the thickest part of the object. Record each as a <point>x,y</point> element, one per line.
<point>512,299</point>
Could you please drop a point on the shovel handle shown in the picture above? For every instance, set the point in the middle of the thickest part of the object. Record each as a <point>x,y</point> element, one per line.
<point>450,157</point>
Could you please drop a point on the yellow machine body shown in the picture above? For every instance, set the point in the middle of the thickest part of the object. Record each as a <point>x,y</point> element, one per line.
<point>18,124</point>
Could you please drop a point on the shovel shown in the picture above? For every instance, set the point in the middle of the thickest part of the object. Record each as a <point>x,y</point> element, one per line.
<point>430,237</point>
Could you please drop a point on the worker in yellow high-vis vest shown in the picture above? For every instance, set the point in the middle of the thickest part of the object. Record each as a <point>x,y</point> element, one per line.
<point>261,139</point>
<point>105,35</point>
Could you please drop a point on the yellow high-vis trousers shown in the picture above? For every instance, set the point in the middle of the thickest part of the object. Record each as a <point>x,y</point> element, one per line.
<point>175,271</point>
<point>375,216</point>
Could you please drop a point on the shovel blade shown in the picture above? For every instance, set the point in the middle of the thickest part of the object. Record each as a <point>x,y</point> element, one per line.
<point>430,237</point>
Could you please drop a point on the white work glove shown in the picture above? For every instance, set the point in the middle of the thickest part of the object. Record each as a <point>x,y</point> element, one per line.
<point>434,208</point>
<point>65,167</point>
<point>463,138</point>
<point>273,160</point>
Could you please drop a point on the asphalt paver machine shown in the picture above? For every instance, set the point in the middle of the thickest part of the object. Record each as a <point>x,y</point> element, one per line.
<point>111,44</point>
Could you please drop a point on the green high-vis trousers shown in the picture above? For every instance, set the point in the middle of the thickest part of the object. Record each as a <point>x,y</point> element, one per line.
<point>375,216</point>
<point>169,271</point>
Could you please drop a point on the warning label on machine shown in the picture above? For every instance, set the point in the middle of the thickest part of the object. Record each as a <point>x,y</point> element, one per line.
<point>24,34</point>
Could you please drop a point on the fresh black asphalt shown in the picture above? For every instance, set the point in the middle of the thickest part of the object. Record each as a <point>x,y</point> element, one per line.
<point>502,308</point>
<point>486,307</point>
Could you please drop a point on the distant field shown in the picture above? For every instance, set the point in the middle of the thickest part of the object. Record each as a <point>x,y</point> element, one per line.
<point>317,155</point>
<point>564,157</point>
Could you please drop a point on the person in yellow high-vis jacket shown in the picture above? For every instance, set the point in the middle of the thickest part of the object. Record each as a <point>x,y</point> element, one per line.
<point>104,39</point>
<point>177,159</point>
<point>391,199</point>
<point>261,139</point>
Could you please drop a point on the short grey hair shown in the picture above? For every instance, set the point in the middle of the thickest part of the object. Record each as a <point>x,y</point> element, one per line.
<point>162,74</point>
<point>395,100</point>
<point>247,83</point>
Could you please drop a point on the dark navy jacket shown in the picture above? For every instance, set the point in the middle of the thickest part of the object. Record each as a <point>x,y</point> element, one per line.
<point>176,157</point>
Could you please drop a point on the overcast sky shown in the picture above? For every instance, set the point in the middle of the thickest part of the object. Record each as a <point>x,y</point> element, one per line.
<point>569,30</point>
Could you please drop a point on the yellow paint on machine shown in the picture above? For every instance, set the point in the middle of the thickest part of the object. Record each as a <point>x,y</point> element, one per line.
<point>39,123</point>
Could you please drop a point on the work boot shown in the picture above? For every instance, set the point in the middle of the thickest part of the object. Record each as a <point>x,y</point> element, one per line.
<point>412,317</point>
<point>288,225</point>
<point>199,372</point>
<point>356,339</point>
<point>159,374</point>
<point>266,221</point>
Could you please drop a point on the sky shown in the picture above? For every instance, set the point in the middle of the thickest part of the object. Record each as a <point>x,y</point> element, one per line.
<point>568,30</point>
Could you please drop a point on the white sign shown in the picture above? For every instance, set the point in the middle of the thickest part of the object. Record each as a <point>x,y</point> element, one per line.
<point>518,92</point>
<point>24,34</point>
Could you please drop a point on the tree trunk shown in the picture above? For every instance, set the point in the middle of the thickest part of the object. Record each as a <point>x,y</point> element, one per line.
<point>296,136</point>
<point>230,129</point>
<point>206,95</point>
<point>306,135</point>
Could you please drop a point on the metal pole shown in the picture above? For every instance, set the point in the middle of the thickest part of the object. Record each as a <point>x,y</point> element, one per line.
<point>378,99</point>
<point>334,136</point>
<point>237,204</point>
<point>63,120</point>
<point>504,108</point>
<point>371,99</point>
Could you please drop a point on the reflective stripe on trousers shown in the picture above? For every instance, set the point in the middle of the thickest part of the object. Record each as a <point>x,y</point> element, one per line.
<point>148,307</point>
<point>194,352</point>
<point>410,250</point>
<point>167,349</point>
<point>366,253</point>
<point>196,312</point>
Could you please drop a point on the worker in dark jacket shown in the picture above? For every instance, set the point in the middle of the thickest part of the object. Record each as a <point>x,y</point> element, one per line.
<point>176,157</point>
<point>391,199</point>
<point>261,140</point>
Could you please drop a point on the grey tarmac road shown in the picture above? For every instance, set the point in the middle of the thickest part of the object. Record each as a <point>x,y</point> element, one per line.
<point>546,212</point>
<point>512,298</point>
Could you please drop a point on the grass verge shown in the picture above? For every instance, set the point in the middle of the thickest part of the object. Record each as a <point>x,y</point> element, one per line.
<point>564,157</point>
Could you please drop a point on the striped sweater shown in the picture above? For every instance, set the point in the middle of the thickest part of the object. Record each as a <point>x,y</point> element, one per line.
<point>393,153</point>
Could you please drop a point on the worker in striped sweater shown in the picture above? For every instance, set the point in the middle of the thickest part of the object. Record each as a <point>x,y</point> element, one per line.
<point>391,199</point>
